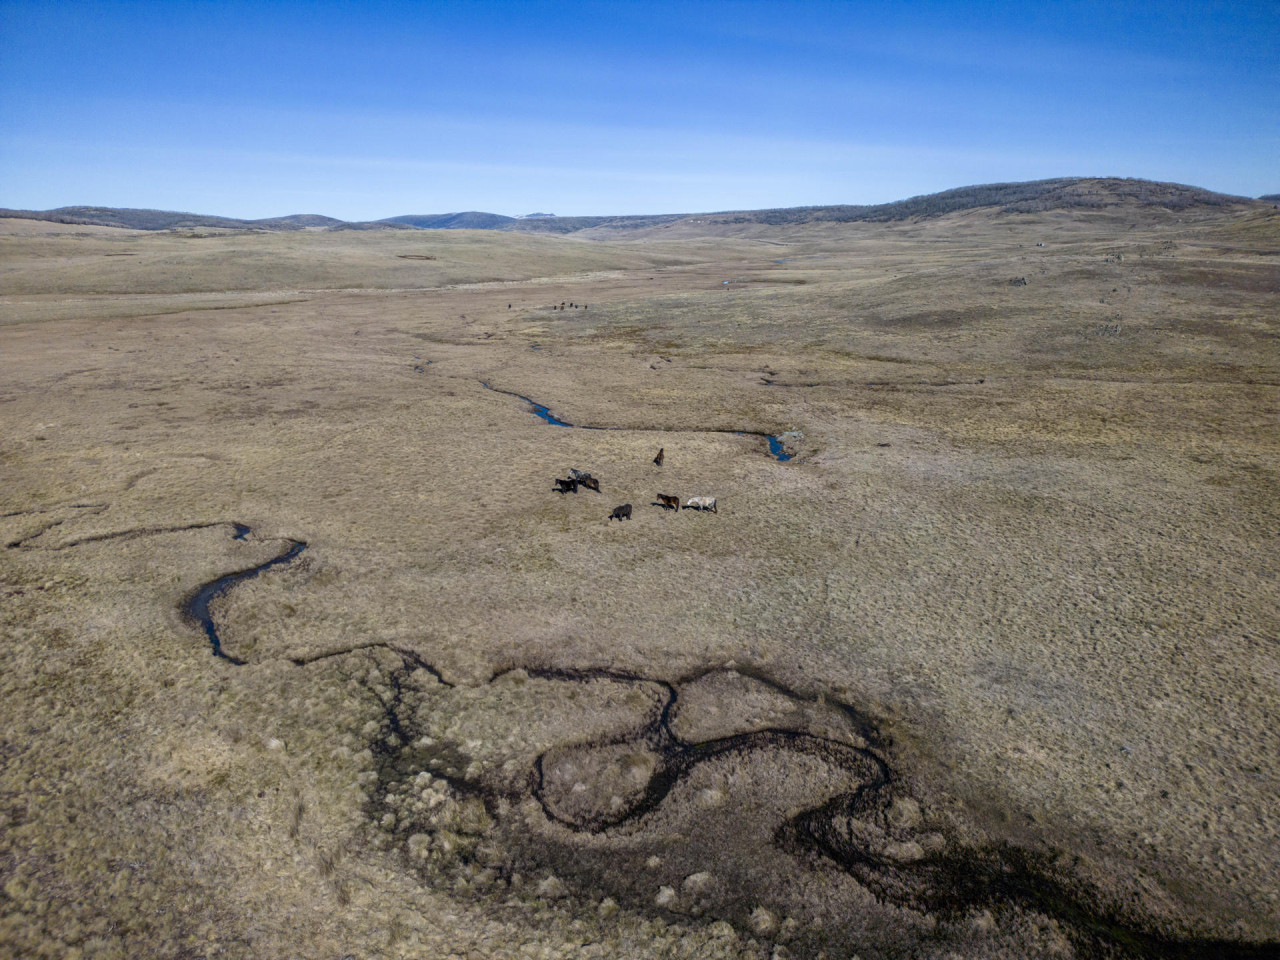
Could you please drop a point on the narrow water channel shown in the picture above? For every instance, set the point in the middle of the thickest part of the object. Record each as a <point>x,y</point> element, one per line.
<point>776,449</point>
<point>197,606</point>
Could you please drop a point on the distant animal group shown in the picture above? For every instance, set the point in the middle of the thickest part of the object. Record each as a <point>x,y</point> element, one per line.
<point>580,478</point>
<point>577,478</point>
<point>693,503</point>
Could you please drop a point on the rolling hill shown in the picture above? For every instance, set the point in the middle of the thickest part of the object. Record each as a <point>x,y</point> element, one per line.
<point>1036,196</point>
<point>471,220</point>
<point>143,219</point>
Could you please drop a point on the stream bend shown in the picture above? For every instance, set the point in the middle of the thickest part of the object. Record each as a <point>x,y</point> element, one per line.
<point>776,448</point>
<point>196,606</point>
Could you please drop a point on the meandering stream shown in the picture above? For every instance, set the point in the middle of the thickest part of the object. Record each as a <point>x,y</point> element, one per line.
<point>954,879</point>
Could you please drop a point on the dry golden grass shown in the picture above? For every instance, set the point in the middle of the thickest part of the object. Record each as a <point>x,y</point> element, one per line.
<point>1030,532</point>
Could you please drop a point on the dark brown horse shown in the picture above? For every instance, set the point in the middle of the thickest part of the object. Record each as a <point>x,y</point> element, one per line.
<point>672,503</point>
<point>621,513</point>
<point>566,486</point>
<point>658,458</point>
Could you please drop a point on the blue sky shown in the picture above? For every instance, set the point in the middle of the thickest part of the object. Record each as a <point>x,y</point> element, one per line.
<point>369,110</point>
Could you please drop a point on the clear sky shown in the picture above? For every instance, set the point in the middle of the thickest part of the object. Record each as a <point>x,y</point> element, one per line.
<point>368,110</point>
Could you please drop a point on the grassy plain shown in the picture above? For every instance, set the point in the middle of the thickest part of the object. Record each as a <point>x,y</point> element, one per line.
<point>1025,557</point>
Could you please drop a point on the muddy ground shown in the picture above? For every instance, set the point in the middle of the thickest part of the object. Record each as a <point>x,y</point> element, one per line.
<point>987,668</point>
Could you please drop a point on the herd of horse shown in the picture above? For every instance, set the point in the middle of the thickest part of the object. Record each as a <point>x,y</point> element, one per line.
<point>580,478</point>
<point>577,479</point>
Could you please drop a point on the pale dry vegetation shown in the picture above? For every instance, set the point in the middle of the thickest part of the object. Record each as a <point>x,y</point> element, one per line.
<point>1025,557</point>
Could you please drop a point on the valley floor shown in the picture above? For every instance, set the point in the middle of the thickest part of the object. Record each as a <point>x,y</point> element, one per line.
<point>989,667</point>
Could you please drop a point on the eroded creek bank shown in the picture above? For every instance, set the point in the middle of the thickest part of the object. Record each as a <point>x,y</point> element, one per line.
<point>723,794</point>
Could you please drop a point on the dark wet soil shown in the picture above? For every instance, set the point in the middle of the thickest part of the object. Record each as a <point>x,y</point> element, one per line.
<point>852,830</point>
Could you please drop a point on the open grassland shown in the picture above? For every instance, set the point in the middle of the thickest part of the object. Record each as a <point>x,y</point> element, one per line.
<point>989,668</point>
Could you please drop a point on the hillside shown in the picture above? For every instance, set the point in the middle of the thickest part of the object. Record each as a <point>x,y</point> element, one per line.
<point>471,220</point>
<point>1036,196</point>
<point>144,219</point>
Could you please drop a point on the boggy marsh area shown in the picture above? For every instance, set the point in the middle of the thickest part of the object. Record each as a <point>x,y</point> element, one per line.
<point>987,669</point>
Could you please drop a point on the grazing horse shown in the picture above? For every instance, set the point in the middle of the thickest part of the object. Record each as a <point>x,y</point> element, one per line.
<point>658,458</point>
<point>669,502</point>
<point>621,513</point>
<point>566,486</point>
<point>590,482</point>
<point>702,503</point>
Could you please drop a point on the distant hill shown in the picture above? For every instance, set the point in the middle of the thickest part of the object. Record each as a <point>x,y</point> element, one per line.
<point>1271,197</point>
<point>471,220</point>
<point>575,224</point>
<point>136,219</point>
<point>1035,196</point>
<point>299,221</point>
